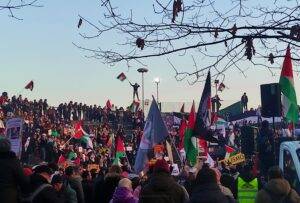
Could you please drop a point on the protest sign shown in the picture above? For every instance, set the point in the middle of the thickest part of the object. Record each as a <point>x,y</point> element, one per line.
<point>175,171</point>
<point>13,133</point>
<point>93,166</point>
<point>234,160</point>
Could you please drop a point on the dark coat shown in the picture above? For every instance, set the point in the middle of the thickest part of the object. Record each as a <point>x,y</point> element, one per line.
<point>88,191</point>
<point>162,188</point>
<point>209,193</point>
<point>107,188</point>
<point>67,194</point>
<point>11,176</point>
<point>47,195</point>
<point>75,183</point>
<point>277,189</point>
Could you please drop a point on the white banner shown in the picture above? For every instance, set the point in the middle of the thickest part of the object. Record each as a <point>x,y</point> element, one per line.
<point>13,132</point>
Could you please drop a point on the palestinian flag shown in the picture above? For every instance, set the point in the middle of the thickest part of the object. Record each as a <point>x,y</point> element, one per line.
<point>72,156</point>
<point>120,150</point>
<point>229,151</point>
<point>79,133</point>
<point>203,119</point>
<point>88,141</point>
<point>108,104</point>
<point>286,82</point>
<point>181,132</point>
<point>134,107</point>
<point>121,77</point>
<point>190,142</point>
<point>61,160</point>
<point>30,85</point>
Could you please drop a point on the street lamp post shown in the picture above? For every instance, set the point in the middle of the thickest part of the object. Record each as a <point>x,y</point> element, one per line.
<point>143,70</point>
<point>157,81</point>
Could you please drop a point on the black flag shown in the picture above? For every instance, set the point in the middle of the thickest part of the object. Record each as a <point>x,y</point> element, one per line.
<point>203,118</point>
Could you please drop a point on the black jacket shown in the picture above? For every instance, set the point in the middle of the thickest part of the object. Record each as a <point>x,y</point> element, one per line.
<point>105,190</point>
<point>162,188</point>
<point>209,193</point>
<point>88,191</point>
<point>47,195</point>
<point>11,177</point>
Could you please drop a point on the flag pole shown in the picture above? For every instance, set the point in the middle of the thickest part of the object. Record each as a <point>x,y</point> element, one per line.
<point>67,142</point>
<point>178,154</point>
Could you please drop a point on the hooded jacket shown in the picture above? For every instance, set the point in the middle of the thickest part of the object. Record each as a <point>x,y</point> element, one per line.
<point>277,190</point>
<point>47,195</point>
<point>123,195</point>
<point>162,188</point>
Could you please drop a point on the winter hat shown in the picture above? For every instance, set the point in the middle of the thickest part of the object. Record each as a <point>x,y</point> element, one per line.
<point>125,182</point>
<point>161,166</point>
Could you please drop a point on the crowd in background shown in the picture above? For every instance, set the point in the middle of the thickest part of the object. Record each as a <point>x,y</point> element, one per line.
<point>54,167</point>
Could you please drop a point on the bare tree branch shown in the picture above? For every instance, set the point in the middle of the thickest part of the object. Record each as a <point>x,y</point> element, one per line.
<point>12,5</point>
<point>222,37</point>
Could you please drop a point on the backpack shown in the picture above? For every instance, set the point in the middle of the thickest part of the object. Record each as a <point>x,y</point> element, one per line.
<point>278,199</point>
<point>30,197</point>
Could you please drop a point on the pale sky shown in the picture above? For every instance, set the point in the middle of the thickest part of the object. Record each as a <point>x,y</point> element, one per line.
<point>40,48</point>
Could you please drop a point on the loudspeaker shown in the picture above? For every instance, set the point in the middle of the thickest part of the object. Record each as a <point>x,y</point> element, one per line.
<point>270,100</point>
<point>248,137</point>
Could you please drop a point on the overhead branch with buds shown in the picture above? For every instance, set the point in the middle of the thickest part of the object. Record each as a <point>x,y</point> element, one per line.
<point>227,37</point>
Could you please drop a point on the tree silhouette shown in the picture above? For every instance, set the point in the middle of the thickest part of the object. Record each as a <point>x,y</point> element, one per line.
<point>215,35</point>
<point>13,5</point>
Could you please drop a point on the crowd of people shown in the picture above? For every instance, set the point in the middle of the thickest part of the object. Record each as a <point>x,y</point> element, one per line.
<point>56,167</point>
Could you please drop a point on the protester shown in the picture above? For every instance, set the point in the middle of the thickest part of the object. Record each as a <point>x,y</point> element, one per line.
<point>226,191</point>
<point>63,189</point>
<point>161,187</point>
<point>11,174</point>
<point>244,101</point>
<point>247,185</point>
<point>124,193</point>
<point>75,182</point>
<point>87,186</point>
<point>265,145</point>
<point>42,191</point>
<point>207,189</point>
<point>277,189</point>
<point>105,190</point>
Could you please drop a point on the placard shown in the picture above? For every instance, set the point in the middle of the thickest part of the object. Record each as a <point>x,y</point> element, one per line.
<point>236,159</point>
<point>13,132</point>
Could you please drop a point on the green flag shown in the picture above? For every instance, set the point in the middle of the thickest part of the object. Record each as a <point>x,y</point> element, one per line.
<point>286,82</point>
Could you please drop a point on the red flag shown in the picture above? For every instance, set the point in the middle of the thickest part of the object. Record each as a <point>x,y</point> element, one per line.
<point>119,145</point>
<point>121,77</point>
<point>182,128</point>
<point>77,161</point>
<point>203,145</point>
<point>108,104</point>
<point>229,149</point>
<point>30,85</point>
<point>78,130</point>
<point>61,159</point>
